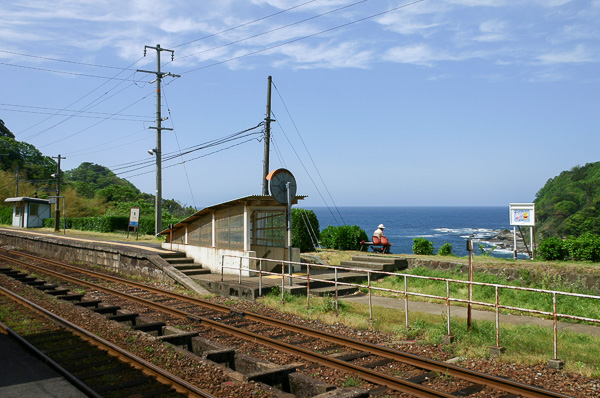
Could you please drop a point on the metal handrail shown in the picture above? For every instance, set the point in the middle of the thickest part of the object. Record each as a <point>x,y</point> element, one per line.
<point>406,293</point>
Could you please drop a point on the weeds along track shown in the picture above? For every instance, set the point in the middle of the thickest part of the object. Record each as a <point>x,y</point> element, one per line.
<point>286,342</point>
<point>95,366</point>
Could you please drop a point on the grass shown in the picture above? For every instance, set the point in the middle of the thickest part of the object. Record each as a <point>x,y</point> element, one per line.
<point>114,236</point>
<point>583,307</point>
<point>525,344</point>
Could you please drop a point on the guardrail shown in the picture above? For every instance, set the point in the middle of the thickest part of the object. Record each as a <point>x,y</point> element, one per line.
<point>405,293</point>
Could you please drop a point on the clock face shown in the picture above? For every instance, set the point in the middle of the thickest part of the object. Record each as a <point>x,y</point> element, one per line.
<point>278,185</point>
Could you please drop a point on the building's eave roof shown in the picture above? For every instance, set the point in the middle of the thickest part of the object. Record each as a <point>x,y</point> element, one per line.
<point>252,200</point>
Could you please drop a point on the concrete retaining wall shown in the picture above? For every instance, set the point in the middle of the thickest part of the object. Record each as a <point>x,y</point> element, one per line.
<point>115,259</point>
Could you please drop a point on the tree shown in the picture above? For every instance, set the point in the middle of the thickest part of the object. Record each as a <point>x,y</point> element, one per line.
<point>4,131</point>
<point>305,229</point>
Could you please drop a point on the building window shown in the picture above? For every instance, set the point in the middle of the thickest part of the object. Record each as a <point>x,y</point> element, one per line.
<point>269,228</point>
<point>230,229</point>
<point>33,209</point>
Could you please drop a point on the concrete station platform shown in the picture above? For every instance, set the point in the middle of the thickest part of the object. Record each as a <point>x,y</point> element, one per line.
<point>22,375</point>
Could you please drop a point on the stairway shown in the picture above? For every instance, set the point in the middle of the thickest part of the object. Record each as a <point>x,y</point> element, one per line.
<point>186,265</point>
<point>365,262</point>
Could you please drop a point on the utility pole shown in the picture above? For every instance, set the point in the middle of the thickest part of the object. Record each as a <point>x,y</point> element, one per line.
<point>57,204</point>
<point>268,120</point>
<point>158,150</point>
<point>17,193</point>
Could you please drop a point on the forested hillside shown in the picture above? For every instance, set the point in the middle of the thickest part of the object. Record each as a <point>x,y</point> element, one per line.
<point>90,190</point>
<point>569,204</point>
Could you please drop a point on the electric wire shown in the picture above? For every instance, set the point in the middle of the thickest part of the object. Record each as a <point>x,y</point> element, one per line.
<point>173,155</point>
<point>307,173</point>
<point>188,160</point>
<point>275,29</point>
<point>94,125</point>
<point>63,60</point>
<point>62,71</point>
<point>301,38</point>
<point>187,177</point>
<point>81,98</point>
<point>59,113</point>
<point>244,24</point>
<point>308,152</point>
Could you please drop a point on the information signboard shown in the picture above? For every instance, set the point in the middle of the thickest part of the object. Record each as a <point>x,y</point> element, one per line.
<point>134,217</point>
<point>522,214</point>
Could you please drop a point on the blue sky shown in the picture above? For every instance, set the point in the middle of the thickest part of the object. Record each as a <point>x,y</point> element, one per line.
<point>447,102</point>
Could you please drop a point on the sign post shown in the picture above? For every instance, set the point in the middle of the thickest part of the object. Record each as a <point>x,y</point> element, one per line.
<point>522,214</point>
<point>134,221</point>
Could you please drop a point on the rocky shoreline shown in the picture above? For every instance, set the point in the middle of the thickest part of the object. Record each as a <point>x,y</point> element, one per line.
<point>504,240</point>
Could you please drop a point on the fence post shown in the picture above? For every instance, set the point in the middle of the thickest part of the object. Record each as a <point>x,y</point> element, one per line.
<point>282,279</point>
<point>497,318</point>
<point>555,326</point>
<point>336,291</point>
<point>307,285</point>
<point>240,277</point>
<point>405,301</point>
<point>448,305</point>
<point>222,266</point>
<point>260,277</point>
<point>370,300</point>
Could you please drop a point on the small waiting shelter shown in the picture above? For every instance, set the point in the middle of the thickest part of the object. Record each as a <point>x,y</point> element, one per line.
<point>254,226</point>
<point>29,212</point>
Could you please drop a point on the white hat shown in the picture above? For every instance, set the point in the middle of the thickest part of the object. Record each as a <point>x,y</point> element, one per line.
<point>381,226</point>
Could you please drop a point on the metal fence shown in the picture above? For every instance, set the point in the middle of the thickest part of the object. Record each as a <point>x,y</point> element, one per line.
<point>406,293</point>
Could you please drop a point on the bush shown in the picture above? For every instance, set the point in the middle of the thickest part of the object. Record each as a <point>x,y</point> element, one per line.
<point>345,237</point>
<point>304,226</point>
<point>104,224</point>
<point>552,249</point>
<point>445,250</point>
<point>422,246</point>
<point>6,213</point>
<point>584,248</point>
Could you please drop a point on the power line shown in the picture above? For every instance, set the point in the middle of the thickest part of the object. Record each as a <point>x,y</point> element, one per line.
<point>96,124</point>
<point>61,71</point>
<point>276,29</point>
<point>307,173</point>
<point>58,112</point>
<point>63,60</point>
<point>244,24</point>
<point>308,152</point>
<point>302,38</point>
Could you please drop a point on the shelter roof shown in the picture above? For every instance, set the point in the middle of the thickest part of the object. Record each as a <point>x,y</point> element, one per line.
<point>253,200</point>
<point>26,199</point>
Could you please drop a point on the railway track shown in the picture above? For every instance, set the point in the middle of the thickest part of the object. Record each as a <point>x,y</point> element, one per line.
<point>225,320</point>
<point>95,366</point>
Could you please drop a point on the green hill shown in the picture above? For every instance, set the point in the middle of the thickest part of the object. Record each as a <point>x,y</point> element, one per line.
<point>569,204</point>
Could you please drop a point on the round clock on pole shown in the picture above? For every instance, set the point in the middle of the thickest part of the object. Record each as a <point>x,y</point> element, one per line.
<point>279,180</point>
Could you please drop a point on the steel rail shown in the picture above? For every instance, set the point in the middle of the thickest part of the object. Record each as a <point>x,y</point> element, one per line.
<point>366,374</point>
<point>410,359</point>
<point>159,374</point>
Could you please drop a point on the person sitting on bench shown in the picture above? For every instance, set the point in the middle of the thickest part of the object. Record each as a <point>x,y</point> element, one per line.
<point>380,239</point>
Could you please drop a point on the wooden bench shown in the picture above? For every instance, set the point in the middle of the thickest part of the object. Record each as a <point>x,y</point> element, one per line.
<point>377,247</point>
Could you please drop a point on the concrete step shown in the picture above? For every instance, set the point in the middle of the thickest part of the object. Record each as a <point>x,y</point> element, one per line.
<point>173,255</point>
<point>196,271</point>
<point>370,266</point>
<point>183,260</point>
<point>187,266</point>
<point>380,259</point>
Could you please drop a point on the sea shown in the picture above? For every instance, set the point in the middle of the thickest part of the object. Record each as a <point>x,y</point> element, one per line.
<point>439,224</point>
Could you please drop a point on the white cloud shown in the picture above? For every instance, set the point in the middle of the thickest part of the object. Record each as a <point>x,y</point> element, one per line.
<point>493,31</point>
<point>343,55</point>
<point>579,54</point>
